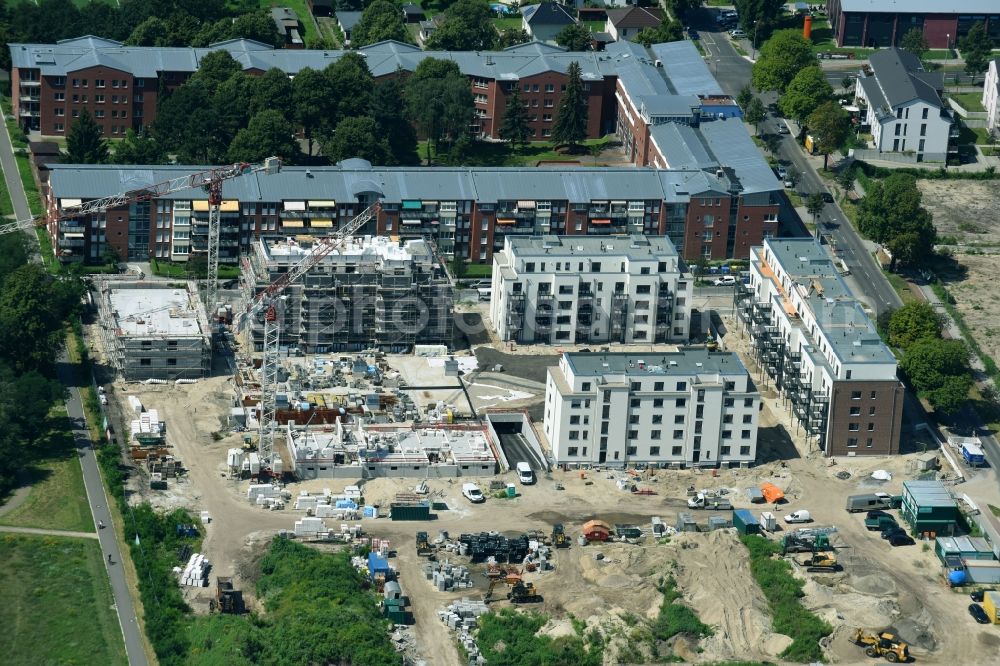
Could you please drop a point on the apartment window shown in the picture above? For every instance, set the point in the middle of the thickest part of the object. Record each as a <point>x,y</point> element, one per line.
<point>923,114</point>
<point>654,434</point>
<point>899,114</point>
<point>727,434</point>
<point>658,402</point>
<point>574,434</point>
<point>748,402</point>
<point>546,117</point>
<point>654,450</point>
<point>636,386</point>
<point>680,402</point>
<point>899,129</point>
<point>920,148</point>
<point>728,402</point>
<point>855,411</point>
<point>748,418</point>
<point>699,412</point>
<point>59,127</point>
<point>727,418</point>
<point>678,419</point>
<point>923,129</point>
<point>606,412</point>
<point>99,113</point>
<point>642,289</point>
<point>744,434</point>
<point>871,411</point>
<point>744,450</point>
<point>853,427</point>
<point>574,404</point>
<point>871,427</point>
<point>171,361</point>
<point>852,442</point>
<point>657,418</point>
<point>549,87</point>
<point>114,113</point>
<point>59,81</point>
<point>99,99</point>
<point>60,111</point>
<point>634,402</point>
<point>682,386</point>
<point>855,395</point>
<point>572,451</point>
<point>98,83</point>
<point>60,97</point>
<point>585,386</point>
<point>632,434</point>
<point>145,361</point>
<point>574,420</point>
<point>140,83</point>
<point>872,396</point>
<point>678,434</point>
<point>76,83</point>
<point>534,87</point>
<point>657,386</point>
<point>868,443</point>
<point>633,419</point>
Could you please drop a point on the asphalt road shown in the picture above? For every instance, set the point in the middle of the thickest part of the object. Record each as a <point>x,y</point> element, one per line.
<point>88,460</point>
<point>733,72</point>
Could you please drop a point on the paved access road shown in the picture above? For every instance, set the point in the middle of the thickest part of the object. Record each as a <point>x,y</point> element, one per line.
<point>42,532</point>
<point>88,460</point>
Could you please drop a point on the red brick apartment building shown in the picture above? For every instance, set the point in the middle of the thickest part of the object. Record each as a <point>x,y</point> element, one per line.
<point>882,23</point>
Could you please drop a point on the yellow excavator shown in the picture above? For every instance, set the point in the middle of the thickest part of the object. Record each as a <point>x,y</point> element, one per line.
<point>820,560</point>
<point>884,644</point>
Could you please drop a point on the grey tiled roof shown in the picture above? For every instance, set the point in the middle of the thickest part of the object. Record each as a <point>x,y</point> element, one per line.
<point>901,77</point>
<point>547,13</point>
<point>347,180</point>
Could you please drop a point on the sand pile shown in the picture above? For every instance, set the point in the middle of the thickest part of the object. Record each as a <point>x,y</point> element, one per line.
<point>713,571</point>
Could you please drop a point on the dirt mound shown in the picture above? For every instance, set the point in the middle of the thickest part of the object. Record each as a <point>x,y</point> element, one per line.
<point>713,571</point>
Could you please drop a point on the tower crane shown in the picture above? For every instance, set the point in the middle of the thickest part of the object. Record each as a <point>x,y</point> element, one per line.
<point>210,180</point>
<point>266,302</point>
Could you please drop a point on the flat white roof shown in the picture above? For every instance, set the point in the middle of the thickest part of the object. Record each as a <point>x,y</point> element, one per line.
<point>372,247</point>
<point>143,312</point>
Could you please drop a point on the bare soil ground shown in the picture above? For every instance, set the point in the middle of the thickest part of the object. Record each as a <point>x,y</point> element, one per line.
<point>969,210</point>
<point>977,298</point>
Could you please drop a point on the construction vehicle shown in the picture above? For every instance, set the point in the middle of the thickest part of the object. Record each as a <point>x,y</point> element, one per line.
<point>524,593</point>
<point>820,560</point>
<point>210,180</point>
<point>804,543</point>
<point>423,545</point>
<point>704,500</point>
<point>559,538</point>
<point>885,645</point>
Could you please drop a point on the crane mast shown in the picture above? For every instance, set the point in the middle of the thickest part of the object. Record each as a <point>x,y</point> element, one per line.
<point>267,301</point>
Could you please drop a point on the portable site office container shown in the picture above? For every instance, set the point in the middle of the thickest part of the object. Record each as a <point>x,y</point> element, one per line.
<point>744,522</point>
<point>929,508</point>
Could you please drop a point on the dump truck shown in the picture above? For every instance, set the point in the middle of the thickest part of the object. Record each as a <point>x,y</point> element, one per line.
<point>630,532</point>
<point>873,501</point>
<point>885,645</point>
<point>712,502</point>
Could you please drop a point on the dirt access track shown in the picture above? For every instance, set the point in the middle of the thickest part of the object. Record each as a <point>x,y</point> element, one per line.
<point>880,585</point>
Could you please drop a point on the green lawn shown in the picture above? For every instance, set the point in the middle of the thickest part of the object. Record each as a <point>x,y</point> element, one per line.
<point>596,26</point>
<point>719,3</point>
<point>58,607</point>
<point>509,23</point>
<point>190,271</point>
<point>30,189</point>
<point>301,10</point>
<point>477,271</point>
<point>901,287</point>
<point>6,205</point>
<point>484,153</point>
<point>57,499</point>
<point>969,101</point>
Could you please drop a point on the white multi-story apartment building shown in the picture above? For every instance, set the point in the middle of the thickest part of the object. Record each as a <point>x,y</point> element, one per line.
<point>815,341</point>
<point>991,95</point>
<point>688,408</point>
<point>590,289</point>
<point>904,107</point>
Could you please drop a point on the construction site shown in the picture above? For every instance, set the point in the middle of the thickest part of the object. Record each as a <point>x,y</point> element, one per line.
<point>155,331</point>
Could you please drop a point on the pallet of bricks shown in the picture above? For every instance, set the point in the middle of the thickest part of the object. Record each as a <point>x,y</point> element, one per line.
<point>462,617</point>
<point>195,574</point>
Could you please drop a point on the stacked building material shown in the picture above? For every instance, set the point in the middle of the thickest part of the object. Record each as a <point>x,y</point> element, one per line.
<point>256,491</point>
<point>461,616</point>
<point>195,574</point>
<point>310,527</point>
<point>484,545</point>
<point>147,430</point>
<point>446,576</point>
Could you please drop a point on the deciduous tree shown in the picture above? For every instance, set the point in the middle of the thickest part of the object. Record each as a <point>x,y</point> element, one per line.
<point>758,15</point>
<point>356,137</point>
<point>393,123</point>
<point>744,97</point>
<point>313,100</point>
<point>912,323</point>
<point>781,58</point>
<point>512,37</point>
<point>269,133</point>
<point>352,85</point>
<point>381,20</point>
<point>272,91</point>
<point>756,113</point>
<point>891,214</point>
<point>814,205</point>
<point>575,37</point>
<point>977,49</point>
<point>829,125</point>
<point>667,31</point>
<point>915,42</point>
<point>805,93</point>
<point>939,370</point>
<point>571,120</point>
<point>439,101</point>
<point>467,26</point>
<point>139,148</point>
<point>85,143</point>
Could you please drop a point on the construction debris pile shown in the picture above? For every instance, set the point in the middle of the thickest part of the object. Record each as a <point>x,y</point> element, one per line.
<point>462,616</point>
<point>195,574</point>
<point>446,576</point>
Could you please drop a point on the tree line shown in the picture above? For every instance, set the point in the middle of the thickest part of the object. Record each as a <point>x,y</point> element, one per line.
<point>225,115</point>
<point>34,307</point>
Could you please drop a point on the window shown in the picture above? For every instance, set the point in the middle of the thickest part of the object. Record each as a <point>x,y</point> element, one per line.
<point>871,427</point>
<point>872,396</point>
<point>728,418</point>
<point>642,289</point>
<point>868,443</point>
<point>682,386</point>
<point>699,412</point>
<point>748,418</point>
<point>680,402</point>
<point>585,386</point>
<point>633,419</point>
<point>145,361</point>
<point>678,434</point>
<point>727,402</point>
<point>632,434</point>
<point>574,434</point>
<point>634,402</point>
<point>636,386</point>
<point>744,450</point>
<point>675,451</point>
<point>572,451</point>
<point>59,127</point>
<point>871,411</point>
<point>855,411</point>
<point>727,434</point>
<point>549,87</point>
<point>99,113</point>
<point>923,114</point>
<point>606,412</point>
<point>98,83</point>
<point>852,442</point>
<point>678,418</point>
<point>574,420</point>
<point>60,97</point>
<point>654,434</point>
<point>748,402</point>
<point>855,395</point>
<point>658,402</point>
<point>171,361</point>
<point>657,418</point>
<point>60,111</point>
<point>574,404</point>
<point>76,83</point>
<point>744,434</point>
<point>654,450</point>
<point>853,427</point>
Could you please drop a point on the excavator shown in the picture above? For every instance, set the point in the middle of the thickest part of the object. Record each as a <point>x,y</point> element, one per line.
<point>885,645</point>
<point>820,560</point>
<point>524,593</point>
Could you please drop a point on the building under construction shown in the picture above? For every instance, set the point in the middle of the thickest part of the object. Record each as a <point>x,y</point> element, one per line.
<point>373,293</point>
<point>153,332</point>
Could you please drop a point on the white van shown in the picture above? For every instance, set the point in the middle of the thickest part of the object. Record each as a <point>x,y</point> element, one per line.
<point>800,516</point>
<point>472,493</point>
<point>485,293</point>
<point>524,473</point>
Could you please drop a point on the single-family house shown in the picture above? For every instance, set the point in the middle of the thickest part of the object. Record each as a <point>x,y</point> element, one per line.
<point>544,21</point>
<point>628,22</point>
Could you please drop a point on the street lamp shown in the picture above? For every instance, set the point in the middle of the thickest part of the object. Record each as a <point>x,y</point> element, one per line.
<point>947,48</point>
<point>755,25</point>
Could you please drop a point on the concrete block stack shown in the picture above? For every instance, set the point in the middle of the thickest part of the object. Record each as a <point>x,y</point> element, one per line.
<point>195,574</point>
<point>462,616</point>
<point>446,576</point>
<point>259,490</point>
<point>310,527</point>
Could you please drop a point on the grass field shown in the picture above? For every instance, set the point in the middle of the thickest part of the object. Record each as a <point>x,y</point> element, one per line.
<point>502,24</point>
<point>484,153</point>
<point>968,101</point>
<point>57,499</point>
<point>6,205</point>
<point>57,603</point>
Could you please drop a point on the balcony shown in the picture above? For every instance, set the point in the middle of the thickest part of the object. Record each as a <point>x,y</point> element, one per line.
<point>29,98</point>
<point>30,83</point>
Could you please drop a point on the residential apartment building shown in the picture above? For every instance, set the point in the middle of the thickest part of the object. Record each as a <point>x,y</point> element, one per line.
<point>688,408</point>
<point>813,339</point>
<point>991,95</point>
<point>467,212</point>
<point>371,293</point>
<point>882,23</point>
<point>903,107</point>
<point>120,85</point>
<point>560,290</point>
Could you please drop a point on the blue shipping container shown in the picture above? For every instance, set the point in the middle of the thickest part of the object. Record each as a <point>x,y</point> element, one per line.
<point>744,521</point>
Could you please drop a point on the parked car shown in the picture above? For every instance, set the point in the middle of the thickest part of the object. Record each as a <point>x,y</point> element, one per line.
<point>736,33</point>
<point>783,129</point>
<point>524,473</point>
<point>478,284</point>
<point>724,281</point>
<point>800,516</point>
<point>977,596</point>
<point>898,539</point>
<point>781,171</point>
<point>892,531</point>
<point>693,34</point>
<point>978,614</point>
<point>472,493</point>
<point>789,183</point>
<point>827,197</point>
<point>485,293</point>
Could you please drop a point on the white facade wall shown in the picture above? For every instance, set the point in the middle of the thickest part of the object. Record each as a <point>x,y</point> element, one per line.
<point>991,95</point>
<point>687,415</point>
<point>908,126</point>
<point>581,272</point>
